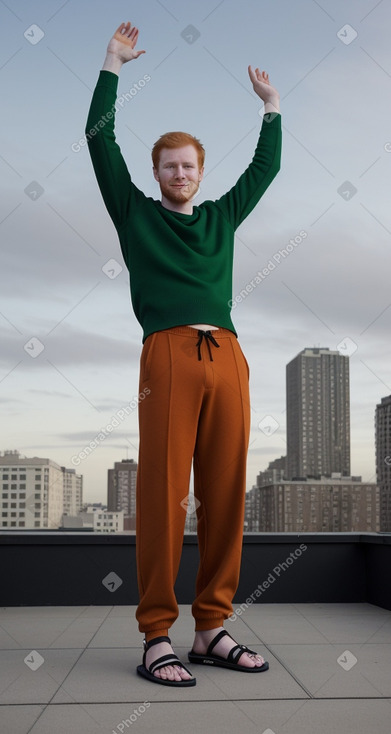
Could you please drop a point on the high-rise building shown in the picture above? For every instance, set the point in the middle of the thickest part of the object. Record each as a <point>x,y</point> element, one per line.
<point>31,492</point>
<point>383,460</point>
<point>318,414</point>
<point>73,491</point>
<point>121,491</point>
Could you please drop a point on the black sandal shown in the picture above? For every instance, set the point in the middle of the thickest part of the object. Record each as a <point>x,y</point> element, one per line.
<point>170,659</point>
<point>231,661</point>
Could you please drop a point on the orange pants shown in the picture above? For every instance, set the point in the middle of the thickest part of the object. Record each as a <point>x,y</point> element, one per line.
<point>197,410</point>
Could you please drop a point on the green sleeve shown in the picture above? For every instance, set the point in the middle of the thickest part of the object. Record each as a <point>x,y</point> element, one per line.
<point>239,201</point>
<point>118,191</point>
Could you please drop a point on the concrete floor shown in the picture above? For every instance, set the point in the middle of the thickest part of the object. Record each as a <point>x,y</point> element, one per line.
<point>65,670</point>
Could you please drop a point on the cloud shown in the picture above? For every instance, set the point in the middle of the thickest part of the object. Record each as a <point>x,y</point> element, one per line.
<point>70,346</point>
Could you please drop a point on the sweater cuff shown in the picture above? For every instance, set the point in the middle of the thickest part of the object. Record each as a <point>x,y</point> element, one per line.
<point>272,119</point>
<point>108,79</point>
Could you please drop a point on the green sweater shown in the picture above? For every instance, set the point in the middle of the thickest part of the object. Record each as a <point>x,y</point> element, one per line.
<point>180,265</point>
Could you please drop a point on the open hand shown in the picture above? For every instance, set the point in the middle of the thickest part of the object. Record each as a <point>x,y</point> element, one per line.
<point>262,86</point>
<point>122,45</point>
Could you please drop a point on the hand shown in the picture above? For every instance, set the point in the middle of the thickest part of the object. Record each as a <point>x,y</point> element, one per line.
<point>263,88</point>
<point>122,45</point>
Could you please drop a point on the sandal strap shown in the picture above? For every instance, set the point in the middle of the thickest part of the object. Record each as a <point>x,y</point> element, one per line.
<point>166,660</point>
<point>216,639</point>
<point>169,659</point>
<point>155,641</point>
<point>237,652</point>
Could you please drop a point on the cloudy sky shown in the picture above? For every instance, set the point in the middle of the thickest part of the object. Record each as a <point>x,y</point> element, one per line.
<point>70,344</point>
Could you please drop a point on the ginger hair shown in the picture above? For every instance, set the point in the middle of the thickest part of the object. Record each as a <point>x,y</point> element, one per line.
<point>177,140</point>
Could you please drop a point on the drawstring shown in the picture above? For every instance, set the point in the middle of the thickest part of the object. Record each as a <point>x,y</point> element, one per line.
<point>208,337</point>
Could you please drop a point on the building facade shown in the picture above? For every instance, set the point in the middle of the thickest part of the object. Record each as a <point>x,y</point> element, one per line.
<point>318,414</point>
<point>275,472</point>
<point>31,492</point>
<point>73,491</point>
<point>121,491</point>
<point>336,504</point>
<point>95,518</point>
<point>383,460</point>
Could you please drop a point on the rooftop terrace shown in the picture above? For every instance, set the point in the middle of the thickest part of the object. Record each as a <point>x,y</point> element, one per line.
<point>72,668</point>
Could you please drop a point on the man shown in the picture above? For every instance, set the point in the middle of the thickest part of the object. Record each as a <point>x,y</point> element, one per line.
<point>180,261</point>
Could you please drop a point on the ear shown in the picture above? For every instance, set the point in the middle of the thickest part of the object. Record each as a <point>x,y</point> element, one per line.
<point>201,174</point>
<point>155,173</point>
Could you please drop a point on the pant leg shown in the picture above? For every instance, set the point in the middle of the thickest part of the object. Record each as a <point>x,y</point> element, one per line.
<point>168,419</point>
<point>220,482</point>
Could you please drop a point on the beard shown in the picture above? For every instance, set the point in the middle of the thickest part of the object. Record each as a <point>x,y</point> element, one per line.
<point>179,195</point>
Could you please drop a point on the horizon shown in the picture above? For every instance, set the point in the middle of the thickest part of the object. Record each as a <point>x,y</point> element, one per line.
<point>70,341</point>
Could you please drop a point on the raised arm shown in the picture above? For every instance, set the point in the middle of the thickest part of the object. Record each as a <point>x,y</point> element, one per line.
<point>111,171</point>
<point>238,202</point>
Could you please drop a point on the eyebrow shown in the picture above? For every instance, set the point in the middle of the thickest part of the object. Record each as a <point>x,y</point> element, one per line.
<point>185,163</point>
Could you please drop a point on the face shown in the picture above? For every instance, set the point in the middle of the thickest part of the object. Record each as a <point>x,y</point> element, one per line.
<point>178,173</point>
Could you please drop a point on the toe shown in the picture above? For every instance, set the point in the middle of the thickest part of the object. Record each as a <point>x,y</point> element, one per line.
<point>170,673</point>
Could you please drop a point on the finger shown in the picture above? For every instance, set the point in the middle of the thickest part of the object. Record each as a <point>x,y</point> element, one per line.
<point>120,28</point>
<point>251,74</point>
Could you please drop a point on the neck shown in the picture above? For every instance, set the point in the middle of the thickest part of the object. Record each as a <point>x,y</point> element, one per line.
<point>183,207</point>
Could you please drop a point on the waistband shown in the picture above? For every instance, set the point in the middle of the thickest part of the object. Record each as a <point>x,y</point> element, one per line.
<point>193,332</point>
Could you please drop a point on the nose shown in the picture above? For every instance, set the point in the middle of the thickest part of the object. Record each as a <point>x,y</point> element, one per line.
<point>179,172</point>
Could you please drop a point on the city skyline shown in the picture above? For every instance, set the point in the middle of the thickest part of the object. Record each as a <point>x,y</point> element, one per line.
<point>311,259</point>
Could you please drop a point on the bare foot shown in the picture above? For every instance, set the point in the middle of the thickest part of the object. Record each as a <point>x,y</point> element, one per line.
<point>223,647</point>
<point>169,672</point>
